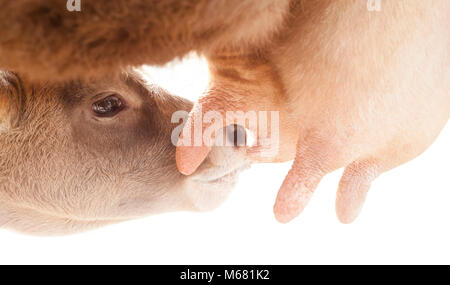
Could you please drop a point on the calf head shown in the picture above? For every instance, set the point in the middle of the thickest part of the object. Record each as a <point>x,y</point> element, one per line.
<point>81,154</point>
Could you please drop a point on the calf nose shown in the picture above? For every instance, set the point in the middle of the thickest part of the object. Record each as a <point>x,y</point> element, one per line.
<point>236,135</point>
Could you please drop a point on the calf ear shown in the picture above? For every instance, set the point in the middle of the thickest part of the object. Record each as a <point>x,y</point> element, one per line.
<point>11,99</point>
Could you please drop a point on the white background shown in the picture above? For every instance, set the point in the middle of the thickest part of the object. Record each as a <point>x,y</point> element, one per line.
<point>405,219</point>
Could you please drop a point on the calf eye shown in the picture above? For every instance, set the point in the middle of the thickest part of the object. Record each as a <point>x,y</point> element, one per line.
<point>108,106</point>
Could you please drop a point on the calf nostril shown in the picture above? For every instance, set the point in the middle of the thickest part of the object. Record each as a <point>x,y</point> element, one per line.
<point>236,135</point>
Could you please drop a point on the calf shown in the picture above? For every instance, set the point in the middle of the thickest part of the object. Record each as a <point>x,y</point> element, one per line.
<point>77,155</point>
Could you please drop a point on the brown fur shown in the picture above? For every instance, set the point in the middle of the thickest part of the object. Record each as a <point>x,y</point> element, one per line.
<point>42,40</point>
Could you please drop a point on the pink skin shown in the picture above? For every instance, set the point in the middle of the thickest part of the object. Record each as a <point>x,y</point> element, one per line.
<point>368,104</point>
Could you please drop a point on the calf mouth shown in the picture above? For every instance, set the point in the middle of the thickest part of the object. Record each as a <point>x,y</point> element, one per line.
<point>218,176</point>
<point>211,187</point>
